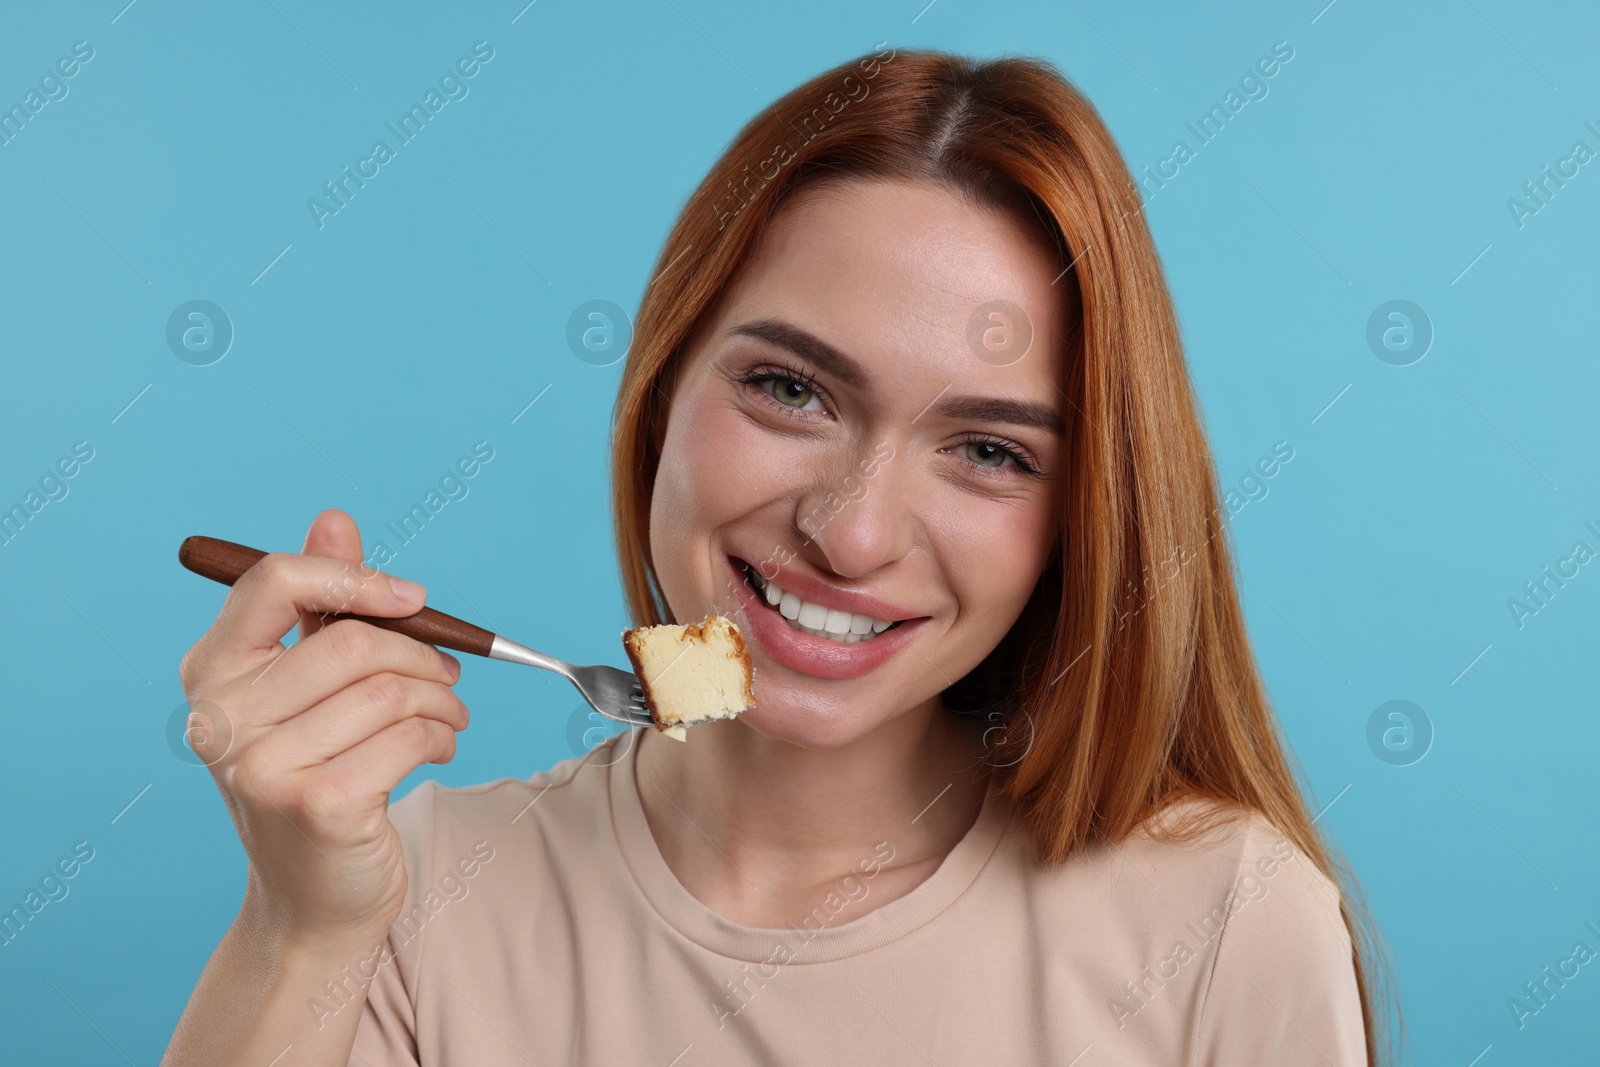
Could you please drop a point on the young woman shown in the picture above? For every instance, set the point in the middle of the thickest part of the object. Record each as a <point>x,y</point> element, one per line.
<point>907,362</point>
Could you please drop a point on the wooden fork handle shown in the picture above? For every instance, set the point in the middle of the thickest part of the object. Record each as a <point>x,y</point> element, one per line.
<point>224,561</point>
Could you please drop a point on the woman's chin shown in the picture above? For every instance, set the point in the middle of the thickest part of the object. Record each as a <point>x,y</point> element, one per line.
<point>806,725</point>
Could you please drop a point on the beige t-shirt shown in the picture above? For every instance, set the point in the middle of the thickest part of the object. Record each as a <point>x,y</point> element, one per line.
<point>543,926</point>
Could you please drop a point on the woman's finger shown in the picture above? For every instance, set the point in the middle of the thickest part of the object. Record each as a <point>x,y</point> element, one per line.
<point>269,598</point>
<point>356,713</point>
<point>339,655</point>
<point>368,772</point>
<point>333,535</point>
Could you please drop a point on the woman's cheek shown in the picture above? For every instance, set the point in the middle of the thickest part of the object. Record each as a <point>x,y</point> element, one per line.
<point>739,463</point>
<point>678,513</point>
<point>711,474</point>
<point>998,554</point>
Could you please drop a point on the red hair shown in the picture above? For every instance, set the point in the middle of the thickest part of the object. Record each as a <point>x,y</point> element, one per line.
<point>1130,661</point>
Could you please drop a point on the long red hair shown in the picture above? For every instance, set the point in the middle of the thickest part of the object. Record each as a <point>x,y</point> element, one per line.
<point>1130,662</point>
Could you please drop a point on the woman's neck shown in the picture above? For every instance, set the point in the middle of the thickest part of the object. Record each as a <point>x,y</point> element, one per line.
<point>758,829</point>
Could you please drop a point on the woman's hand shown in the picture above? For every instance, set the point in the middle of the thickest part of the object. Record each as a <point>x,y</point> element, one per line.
<point>306,743</point>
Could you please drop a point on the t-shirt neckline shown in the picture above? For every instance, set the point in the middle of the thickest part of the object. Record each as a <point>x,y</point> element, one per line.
<point>831,932</point>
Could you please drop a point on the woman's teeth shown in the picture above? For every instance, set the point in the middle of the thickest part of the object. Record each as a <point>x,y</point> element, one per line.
<point>842,626</point>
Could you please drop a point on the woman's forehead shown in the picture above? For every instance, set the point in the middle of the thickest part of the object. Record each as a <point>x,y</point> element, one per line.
<point>893,270</point>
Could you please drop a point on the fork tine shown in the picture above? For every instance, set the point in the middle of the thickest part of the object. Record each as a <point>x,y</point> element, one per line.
<point>611,691</point>
<point>614,693</point>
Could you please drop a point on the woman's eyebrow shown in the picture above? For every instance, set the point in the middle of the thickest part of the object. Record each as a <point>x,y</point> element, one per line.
<point>807,346</point>
<point>997,409</point>
<point>815,350</point>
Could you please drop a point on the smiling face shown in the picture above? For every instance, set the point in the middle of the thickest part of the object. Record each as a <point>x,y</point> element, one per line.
<point>833,431</point>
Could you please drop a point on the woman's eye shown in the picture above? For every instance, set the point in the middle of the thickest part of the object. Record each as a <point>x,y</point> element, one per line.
<point>993,455</point>
<point>987,453</point>
<point>792,393</point>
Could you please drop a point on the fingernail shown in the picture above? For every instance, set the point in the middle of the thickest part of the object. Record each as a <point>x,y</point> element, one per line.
<point>452,664</point>
<point>410,592</point>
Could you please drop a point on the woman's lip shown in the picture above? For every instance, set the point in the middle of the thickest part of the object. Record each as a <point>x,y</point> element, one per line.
<point>803,652</point>
<point>808,588</point>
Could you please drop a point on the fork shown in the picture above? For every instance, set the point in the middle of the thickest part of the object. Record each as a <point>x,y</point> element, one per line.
<point>613,693</point>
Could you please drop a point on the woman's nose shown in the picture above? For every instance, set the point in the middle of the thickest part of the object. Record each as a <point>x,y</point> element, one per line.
<point>860,520</point>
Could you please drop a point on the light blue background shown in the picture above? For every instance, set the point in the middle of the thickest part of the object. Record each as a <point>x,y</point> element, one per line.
<point>427,314</point>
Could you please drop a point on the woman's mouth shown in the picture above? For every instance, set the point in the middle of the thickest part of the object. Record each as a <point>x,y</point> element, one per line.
<point>811,638</point>
<point>845,627</point>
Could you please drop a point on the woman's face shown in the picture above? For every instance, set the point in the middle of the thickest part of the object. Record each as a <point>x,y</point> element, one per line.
<point>852,425</point>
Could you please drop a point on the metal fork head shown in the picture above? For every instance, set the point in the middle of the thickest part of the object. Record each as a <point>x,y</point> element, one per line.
<point>615,694</point>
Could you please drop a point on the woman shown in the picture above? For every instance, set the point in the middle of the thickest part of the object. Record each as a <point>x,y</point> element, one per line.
<point>907,360</point>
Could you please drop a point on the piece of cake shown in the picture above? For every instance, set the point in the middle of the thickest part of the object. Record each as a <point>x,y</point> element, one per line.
<point>691,674</point>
